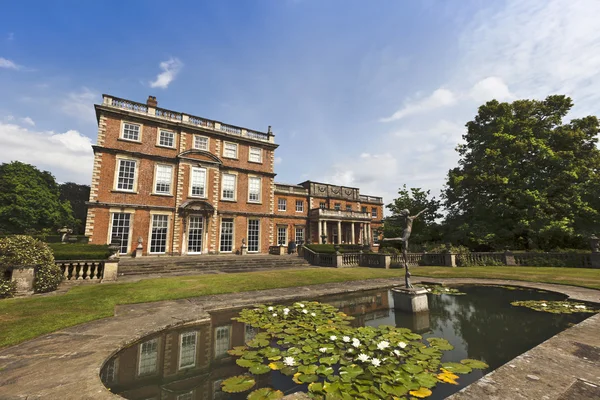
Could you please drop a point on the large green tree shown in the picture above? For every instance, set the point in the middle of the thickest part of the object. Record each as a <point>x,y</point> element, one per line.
<point>525,179</point>
<point>77,195</point>
<point>425,229</point>
<point>29,200</point>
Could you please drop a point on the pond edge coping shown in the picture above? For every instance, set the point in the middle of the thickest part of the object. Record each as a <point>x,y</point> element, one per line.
<point>60,373</point>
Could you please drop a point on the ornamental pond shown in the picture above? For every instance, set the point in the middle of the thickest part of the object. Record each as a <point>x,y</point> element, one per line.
<point>191,361</point>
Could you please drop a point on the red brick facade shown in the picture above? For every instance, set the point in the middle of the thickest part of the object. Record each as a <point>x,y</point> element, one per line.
<point>173,183</point>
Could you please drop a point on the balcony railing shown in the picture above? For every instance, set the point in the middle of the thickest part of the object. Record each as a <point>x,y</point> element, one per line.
<point>339,214</point>
<point>183,118</point>
<point>371,199</point>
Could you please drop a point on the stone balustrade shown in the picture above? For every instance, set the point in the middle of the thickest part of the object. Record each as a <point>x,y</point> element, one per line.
<point>339,214</point>
<point>89,270</point>
<point>371,199</point>
<point>187,119</point>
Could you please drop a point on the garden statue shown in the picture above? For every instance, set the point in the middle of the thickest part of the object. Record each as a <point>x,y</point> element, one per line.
<point>404,239</point>
<point>65,232</point>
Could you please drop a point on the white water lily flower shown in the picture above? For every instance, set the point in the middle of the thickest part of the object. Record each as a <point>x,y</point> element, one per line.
<point>350,350</point>
<point>383,345</point>
<point>544,305</point>
<point>402,345</point>
<point>313,314</point>
<point>270,308</point>
<point>289,361</point>
<point>286,310</point>
<point>376,362</point>
<point>323,349</point>
<point>580,306</point>
<point>333,337</point>
<point>305,311</point>
<point>301,305</point>
<point>397,352</point>
<point>355,342</point>
<point>447,290</point>
<point>429,290</point>
<point>274,314</point>
<point>363,357</point>
<point>346,338</point>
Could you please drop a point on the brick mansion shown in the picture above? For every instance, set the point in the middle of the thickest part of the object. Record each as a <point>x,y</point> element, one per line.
<point>174,183</point>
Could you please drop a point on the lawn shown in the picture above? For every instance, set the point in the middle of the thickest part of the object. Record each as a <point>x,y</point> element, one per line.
<point>26,318</point>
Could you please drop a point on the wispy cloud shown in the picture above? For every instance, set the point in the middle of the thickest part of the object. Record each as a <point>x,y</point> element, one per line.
<point>6,63</point>
<point>28,121</point>
<point>170,69</point>
<point>439,98</point>
<point>80,105</point>
<point>10,37</point>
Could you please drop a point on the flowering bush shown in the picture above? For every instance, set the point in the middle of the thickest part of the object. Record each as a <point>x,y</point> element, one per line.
<point>7,288</point>
<point>21,250</point>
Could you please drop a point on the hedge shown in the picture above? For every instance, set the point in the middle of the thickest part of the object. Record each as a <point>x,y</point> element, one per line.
<point>79,251</point>
<point>329,248</point>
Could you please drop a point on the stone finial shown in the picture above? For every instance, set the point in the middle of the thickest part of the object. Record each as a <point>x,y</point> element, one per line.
<point>151,102</point>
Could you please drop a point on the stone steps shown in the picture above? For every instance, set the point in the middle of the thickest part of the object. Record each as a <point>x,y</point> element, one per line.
<point>175,265</point>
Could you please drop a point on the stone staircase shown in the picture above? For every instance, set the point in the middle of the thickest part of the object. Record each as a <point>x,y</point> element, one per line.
<point>184,265</point>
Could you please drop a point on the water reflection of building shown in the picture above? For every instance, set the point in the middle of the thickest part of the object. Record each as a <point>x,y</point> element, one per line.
<point>190,362</point>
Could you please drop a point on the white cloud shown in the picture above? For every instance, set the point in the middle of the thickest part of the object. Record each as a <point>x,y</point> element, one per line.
<point>80,105</point>
<point>67,155</point>
<point>170,69</point>
<point>278,160</point>
<point>28,121</point>
<point>439,98</point>
<point>490,88</point>
<point>6,63</point>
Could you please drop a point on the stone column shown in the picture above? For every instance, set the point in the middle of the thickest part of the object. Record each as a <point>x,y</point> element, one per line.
<point>352,233</point>
<point>324,232</point>
<point>339,235</point>
<point>368,233</point>
<point>320,231</point>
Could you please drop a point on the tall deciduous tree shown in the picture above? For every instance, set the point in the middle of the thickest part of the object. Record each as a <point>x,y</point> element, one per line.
<point>77,195</point>
<point>525,179</point>
<point>29,200</point>
<point>425,229</point>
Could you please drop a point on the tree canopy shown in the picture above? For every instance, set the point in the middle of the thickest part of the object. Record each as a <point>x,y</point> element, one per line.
<point>29,200</point>
<point>525,178</point>
<point>77,195</point>
<point>425,229</point>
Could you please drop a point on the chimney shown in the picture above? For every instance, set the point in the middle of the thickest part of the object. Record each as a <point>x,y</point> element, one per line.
<point>269,130</point>
<point>151,102</point>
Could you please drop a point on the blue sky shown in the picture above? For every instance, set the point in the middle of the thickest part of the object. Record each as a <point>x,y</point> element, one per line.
<point>367,94</point>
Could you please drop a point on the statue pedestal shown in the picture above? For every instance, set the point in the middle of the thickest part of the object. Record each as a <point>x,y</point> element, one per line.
<point>412,300</point>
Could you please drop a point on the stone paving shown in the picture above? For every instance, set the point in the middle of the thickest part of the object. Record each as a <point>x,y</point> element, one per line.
<point>66,364</point>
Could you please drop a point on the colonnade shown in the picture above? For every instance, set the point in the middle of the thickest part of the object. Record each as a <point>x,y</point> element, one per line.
<point>364,231</point>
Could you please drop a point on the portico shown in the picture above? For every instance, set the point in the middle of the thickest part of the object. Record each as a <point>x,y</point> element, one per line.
<point>337,226</point>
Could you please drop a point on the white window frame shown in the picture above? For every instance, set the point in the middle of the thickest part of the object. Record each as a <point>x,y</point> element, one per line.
<point>259,159</point>
<point>135,174</point>
<point>281,204</point>
<point>248,234</point>
<point>234,186</point>
<point>322,205</point>
<point>301,204</point>
<point>299,229</point>
<point>348,207</point>
<point>159,136</point>
<point>279,227</point>
<point>237,149</point>
<point>154,191</point>
<point>152,214</point>
<point>140,349</point>
<point>232,235</point>
<point>195,144</point>
<point>337,206</point>
<point>182,336</point>
<point>122,132</point>
<point>110,228</point>
<point>259,194</point>
<point>223,354</point>
<point>373,212</point>
<point>191,191</point>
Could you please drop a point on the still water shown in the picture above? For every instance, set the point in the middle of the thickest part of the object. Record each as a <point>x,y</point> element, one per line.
<point>189,363</point>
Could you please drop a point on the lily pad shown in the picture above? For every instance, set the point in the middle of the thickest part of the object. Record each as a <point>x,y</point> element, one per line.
<point>237,384</point>
<point>259,369</point>
<point>265,394</point>
<point>556,307</point>
<point>421,393</point>
<point>457,368</point>
<point>475,364</point>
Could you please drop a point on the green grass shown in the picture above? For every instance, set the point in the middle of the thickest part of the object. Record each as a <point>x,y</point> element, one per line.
<point>26,318</point>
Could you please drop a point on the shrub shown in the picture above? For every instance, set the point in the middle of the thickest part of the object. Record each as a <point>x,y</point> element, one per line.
<point>7,288</point>
<point>329,248</point>
<point>79,251</point>
<point>21,250</point>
